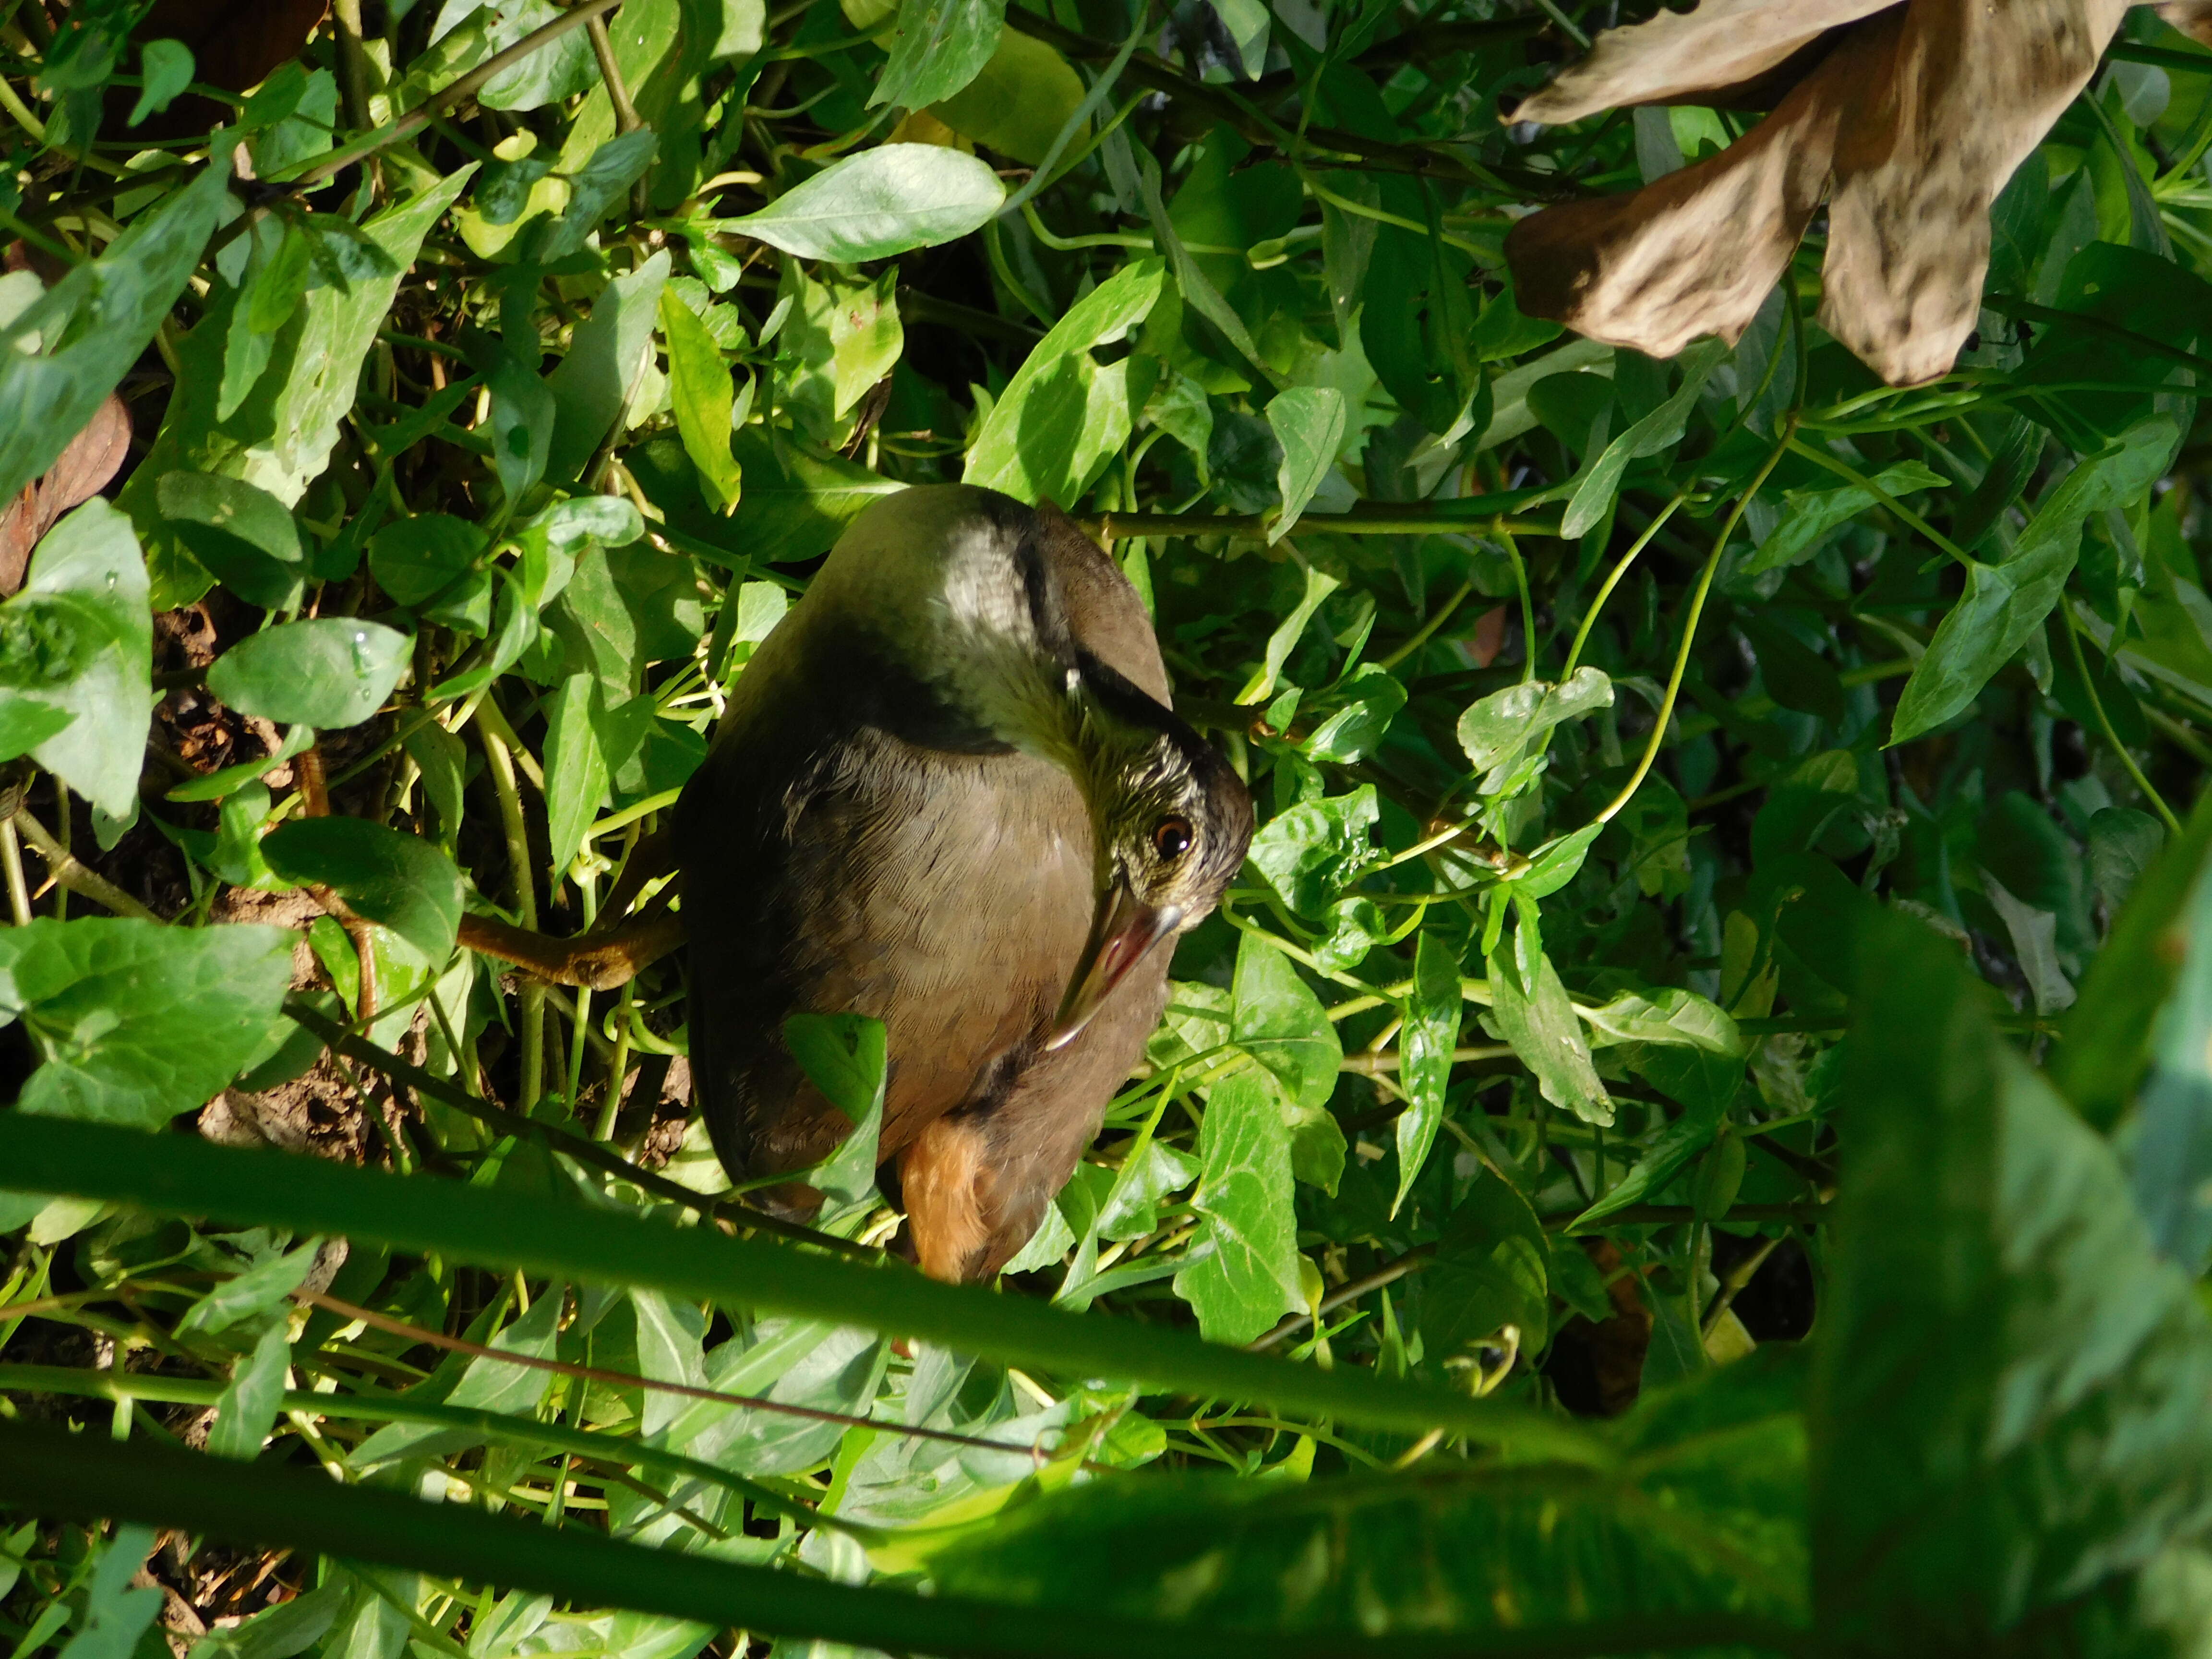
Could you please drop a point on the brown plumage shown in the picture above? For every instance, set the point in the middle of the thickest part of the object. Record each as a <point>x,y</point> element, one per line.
<point>891,824</point>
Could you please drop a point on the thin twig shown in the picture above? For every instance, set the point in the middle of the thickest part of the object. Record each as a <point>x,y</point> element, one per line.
<point>627,1380</point>
<point>1389,1273</point>
<point>467,87</point>
<point>65,868</point>
<point>604,1160</point>
<point>19,891</point>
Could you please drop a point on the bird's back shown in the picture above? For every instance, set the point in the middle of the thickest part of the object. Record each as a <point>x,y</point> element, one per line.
<point>851,845</point>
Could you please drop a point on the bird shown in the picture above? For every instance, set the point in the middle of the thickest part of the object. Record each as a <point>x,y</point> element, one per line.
<point>948,792</point>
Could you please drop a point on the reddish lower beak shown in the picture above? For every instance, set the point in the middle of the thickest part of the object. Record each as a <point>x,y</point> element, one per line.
<point>1123,935</point>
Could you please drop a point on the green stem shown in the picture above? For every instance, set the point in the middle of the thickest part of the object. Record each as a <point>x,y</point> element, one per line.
<point>617,1067</point>
<point>1613,580</point>
<point>439,102</point>
<point>2104,722</point>
<point>531,994</point>
<point>1427,630</point>
<point>1690,627</point>
<point>18,890</point>
<point>1844,470</point>
<point>73,877</point>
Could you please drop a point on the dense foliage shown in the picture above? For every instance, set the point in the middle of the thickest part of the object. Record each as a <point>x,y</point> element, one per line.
<point>1696,798</point>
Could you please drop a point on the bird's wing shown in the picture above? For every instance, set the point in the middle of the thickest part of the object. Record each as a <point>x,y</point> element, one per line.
<point>976,1181</point>
<point>947,895</point>
<point>1103,611</point>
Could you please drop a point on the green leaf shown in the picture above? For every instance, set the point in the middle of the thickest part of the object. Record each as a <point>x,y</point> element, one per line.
<point>1063,414</point>
<point>76,659</point>
<point>2170,1152</point>
<point>399,880</point>
<point>1668,1155</point>
<point>1246,23</point>
<point>247,1410</point>
<point>1426,1042</point>
<point>1357,730</point>
<point>116,1615</point>
<point>167,69</point>
<point>261,1289</point>
<point>524,414</point>
<point>1241,1273</point>
<point>1492,1270</point>
<point>70,348</point>
<point>2004,604</point>
<point>1319,585</point>
<point>484,1384</point>
<point>882,201</point>
<point>2105,1042</point>
<point>1497,729</point>
<point>1277,1019</point>
<point>701,389</point>
<point>594,382</point>
<point>1309,853</point>
<point>1993,1437</point>
<point>1309,422</point>
<point>1019,102</point>
<point>1660,430</point>
<point>417,558</point>
<point>1530,1009</point>
<point>1808,515</point>
<point>1557,862</point>
<point>1669,1015</point>
<point>1697,1532</point>
<point>576,766</point>
<point>281,1632</point>
<point>245,536</point>
<point>282,437</point>
<point>137,1022</point>
<point>593,189</point>
<point>511,1229</point>
<point>330,672</point>
<point>842,1056</point>
<point>839,340</point>
<point>939,47</point>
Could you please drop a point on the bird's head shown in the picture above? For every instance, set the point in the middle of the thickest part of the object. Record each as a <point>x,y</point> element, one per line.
<point>1171,820</point>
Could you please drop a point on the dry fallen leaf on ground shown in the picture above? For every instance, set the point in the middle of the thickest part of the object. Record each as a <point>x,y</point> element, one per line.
<point>83,470</point>
<point>1907,120</point>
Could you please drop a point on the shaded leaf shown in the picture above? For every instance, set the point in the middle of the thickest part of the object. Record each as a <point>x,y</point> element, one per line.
<point>400,880</point>
<point>329,672</point>
<point>1997,1436</point>
<point>135,1022</point>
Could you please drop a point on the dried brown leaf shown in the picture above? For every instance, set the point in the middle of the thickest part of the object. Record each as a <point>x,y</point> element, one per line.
<point>1909,126</point>
<point>1720,44</point>
<point>1697,252</point>
<point>1970,90</point>
<point>81,471</point>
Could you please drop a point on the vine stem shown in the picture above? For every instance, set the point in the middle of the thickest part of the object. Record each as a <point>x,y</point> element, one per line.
<point>439,102</point>
<point>1613,580</point>
<point>1690,627</point>
<point>2105,721</point>
<point>71,874</point>
<point>18,890</point>
<point>1851,474</point>
<point>1372,519</point>
<point>530,995</point>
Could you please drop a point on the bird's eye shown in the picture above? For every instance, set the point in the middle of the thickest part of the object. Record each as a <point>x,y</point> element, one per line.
<point>1171,839</point>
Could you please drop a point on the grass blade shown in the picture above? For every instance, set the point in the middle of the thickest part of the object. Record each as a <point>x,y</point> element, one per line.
<point>177,1175</point>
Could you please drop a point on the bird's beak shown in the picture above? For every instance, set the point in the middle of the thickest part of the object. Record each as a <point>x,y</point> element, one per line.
<point>1123,935</point>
